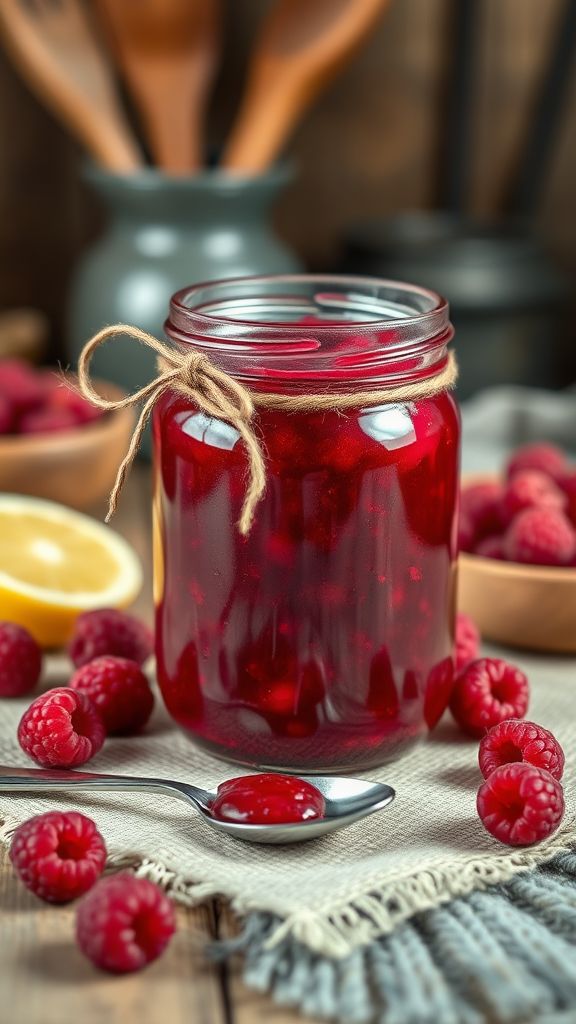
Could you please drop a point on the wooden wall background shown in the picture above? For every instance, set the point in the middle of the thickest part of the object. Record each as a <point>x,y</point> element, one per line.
<point>369,148</point>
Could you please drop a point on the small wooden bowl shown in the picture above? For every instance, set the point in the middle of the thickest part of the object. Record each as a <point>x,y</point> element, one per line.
<point>75,467</point>
<point>528,606</point>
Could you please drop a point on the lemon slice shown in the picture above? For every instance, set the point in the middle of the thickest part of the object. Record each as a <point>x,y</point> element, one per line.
<point>56,563</point>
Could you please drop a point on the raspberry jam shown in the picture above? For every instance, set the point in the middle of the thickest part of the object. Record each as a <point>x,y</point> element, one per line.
<point>323,639</point>
<point>267,800</point>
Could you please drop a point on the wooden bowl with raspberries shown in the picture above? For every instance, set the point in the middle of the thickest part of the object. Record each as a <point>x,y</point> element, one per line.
<point>517,542</point>
<point>53,443</point>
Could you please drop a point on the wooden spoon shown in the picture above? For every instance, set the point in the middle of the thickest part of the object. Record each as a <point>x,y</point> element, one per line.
<point>55,50</point>
<point>167,50</point>
<point>302,45</point>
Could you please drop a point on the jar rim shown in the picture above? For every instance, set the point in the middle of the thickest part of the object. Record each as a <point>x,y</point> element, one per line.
<point>288,330</point>
<point>180,304</point>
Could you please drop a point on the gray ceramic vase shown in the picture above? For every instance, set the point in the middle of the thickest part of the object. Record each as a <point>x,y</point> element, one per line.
<point>162,234</point>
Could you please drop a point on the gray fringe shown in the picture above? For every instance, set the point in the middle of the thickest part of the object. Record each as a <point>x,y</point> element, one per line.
<point>507,955</point>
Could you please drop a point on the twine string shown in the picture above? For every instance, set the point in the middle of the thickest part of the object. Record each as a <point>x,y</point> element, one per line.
<point>217,394</point>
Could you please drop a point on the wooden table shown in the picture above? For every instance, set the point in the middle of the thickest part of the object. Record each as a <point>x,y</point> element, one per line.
<point>43,977</point>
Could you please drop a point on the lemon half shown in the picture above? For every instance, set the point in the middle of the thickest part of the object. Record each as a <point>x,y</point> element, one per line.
<point>56,563</point>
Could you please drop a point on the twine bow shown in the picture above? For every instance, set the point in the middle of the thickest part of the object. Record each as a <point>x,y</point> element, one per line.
<point>192,374</point>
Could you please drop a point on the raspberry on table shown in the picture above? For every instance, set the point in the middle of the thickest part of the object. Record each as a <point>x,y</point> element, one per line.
<point>58,855</point>
<point>529,488</point>
<point>487,692</point>
<point>20,660</point>
<point>515,741</point>
<point>541,536</point>
<point>547,458</point>
<point>467,643</point>
<point>124,923</point>
<point>520,804</point>
<point>61,729</point>
<point>109,631</point>
<point>480,504</point>
<point>120,692</point>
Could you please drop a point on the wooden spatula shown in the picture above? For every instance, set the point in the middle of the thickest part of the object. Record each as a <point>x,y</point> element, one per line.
<point>301,47</point>
<point>167,51</point>
<point>55,50</point>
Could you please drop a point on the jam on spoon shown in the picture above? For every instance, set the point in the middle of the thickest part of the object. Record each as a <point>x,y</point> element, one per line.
<point>267,800</point>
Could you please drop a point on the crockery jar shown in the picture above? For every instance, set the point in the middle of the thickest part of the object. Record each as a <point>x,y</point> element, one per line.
<point>323,638</point>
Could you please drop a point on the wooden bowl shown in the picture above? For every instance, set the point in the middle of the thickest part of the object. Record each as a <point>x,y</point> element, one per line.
<point>528,606</point>
<point>75,467</point>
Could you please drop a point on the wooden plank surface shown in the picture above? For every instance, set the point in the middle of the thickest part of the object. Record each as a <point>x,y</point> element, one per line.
<point>44,979</point>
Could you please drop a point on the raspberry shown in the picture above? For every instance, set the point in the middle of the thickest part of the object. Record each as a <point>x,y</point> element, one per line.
<point>513,740</point>
<point>63,397</point>
<point>547,458</point>
<point>20,660</point>
<point>58,856</point>
<point>520,804</point>
<point>119,690</point>
<point>487,692</point>
<point>47,421</point>
<point>467,641</point>
<point>568,484</point>
<point>6,416</point>
<point>466,533</point>
<point>490,547</point>
<point>480,503</point>
<point>124,923</point>
<point>541,536</point>
<point>109,631</point>
<point>61,729</point>
<point>529,488</point>
<point>20,385</point>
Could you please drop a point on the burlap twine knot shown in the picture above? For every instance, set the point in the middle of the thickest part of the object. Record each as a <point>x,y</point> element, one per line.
<point>192,374</point>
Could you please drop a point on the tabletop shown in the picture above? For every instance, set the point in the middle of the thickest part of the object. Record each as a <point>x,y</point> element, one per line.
<point>45,980</point>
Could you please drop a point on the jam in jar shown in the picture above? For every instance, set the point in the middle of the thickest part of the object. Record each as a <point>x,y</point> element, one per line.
<point>322,639</point>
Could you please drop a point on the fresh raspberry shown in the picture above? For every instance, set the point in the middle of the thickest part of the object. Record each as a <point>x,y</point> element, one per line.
<point>6,416</point>
<point>124,923</point>
<point>119,690</point>
<point>467,644</point>
<point>466,533</point>
<point>568,484</point>
<point>541,536</point>
<point>547,458</point>
<point>20,385</point>
<point>490,547</point>
<point>63,396</point>
<point>529,488</point>
<point>61,729</point>
<point>520,804</point>
<point>58,856</point>
<point>46,421</point>
<point>480,503</point>
<point>109,631</point>
<point>20,660</point>
<point>487,692</point>
<point>513,740</point>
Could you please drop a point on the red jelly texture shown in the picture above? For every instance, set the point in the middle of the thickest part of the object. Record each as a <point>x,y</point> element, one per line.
<point>323,639</point>
<point>267,800</point>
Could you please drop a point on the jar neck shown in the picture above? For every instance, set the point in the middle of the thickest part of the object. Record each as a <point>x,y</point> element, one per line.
<point>306,333</point>
<point>210,198</point>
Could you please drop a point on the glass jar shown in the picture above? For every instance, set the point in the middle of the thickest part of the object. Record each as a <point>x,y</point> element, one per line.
<point>322,640</point>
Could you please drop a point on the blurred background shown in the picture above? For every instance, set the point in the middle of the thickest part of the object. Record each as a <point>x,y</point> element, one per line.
<point>443,107</point>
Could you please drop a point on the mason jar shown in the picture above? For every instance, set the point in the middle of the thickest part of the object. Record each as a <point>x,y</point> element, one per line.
<point>321,640</point>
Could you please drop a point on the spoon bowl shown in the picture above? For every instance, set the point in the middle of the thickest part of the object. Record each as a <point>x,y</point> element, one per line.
<point>347,800</point>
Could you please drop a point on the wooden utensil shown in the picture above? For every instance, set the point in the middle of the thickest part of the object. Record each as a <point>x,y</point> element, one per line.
<point>167,50</point>
<point>57,54</point>
<point>302,45</point>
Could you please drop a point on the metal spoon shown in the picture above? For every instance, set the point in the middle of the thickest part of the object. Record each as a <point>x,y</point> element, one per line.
<point>347,800</point>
